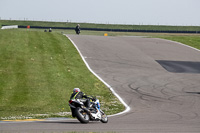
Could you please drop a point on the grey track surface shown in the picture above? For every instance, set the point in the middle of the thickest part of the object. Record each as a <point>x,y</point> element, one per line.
<point>160,101</point>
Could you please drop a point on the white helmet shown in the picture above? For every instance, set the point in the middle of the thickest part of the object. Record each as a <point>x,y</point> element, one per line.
<point>76,90</point>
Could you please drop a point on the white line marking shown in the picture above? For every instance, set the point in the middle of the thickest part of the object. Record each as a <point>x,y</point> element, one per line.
<point>112,90</point>
<point>179,43</point>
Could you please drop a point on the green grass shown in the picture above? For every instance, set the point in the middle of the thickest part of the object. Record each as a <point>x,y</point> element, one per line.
<point>191,40</point>
<point>38,72</point>
<point>104,26</point>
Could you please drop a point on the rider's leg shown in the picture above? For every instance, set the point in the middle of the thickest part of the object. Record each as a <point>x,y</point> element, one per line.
<point>87,104</point>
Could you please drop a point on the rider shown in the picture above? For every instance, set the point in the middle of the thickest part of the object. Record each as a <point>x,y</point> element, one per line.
<point>77,29</point>
<point>77,94</point>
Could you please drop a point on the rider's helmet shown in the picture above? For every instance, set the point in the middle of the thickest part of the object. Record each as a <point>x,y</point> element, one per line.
<point>76,90</point>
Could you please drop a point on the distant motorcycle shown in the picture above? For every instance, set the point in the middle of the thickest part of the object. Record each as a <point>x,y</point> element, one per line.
<point>78,32</point>
<point>77,29</point>
<point>83,114</point>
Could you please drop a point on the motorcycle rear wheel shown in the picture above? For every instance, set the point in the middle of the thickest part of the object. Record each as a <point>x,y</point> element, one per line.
<point>81,115</point>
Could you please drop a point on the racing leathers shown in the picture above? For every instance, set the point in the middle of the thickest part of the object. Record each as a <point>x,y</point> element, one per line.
<point>81,95</point>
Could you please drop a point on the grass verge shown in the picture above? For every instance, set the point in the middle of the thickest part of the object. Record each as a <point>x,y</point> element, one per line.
<point>190,40</point>
<point>38,72</point>
<point>101,26</point>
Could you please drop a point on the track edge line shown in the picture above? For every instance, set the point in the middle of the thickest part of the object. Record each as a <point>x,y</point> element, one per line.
<point>111,89</point>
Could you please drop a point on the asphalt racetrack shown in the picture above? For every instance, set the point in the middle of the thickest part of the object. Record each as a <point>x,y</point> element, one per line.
<point>158,79</point>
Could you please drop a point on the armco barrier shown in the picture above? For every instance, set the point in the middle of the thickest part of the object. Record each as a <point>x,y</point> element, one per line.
<point>112,30</point>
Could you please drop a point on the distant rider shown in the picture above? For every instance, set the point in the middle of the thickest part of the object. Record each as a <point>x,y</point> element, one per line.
<point>77,29</point>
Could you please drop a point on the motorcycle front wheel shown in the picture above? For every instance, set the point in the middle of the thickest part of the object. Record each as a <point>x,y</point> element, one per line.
<point>104,118</point>
<point>81,115</point>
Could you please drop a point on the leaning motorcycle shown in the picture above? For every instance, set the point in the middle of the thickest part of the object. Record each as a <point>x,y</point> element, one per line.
<point>83,114</point>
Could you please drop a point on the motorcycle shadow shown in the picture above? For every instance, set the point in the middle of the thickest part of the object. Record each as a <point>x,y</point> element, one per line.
<point>70,122</point>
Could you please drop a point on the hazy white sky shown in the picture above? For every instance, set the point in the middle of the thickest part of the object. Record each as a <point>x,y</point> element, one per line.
<point>154,12</point>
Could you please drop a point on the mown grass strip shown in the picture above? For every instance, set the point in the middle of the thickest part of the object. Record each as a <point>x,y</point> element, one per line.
<point>38,72</point>
<point>193,41</point>
<point>101,26</point>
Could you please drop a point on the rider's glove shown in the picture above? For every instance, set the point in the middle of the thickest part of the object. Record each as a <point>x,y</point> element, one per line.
<point>93,99</point>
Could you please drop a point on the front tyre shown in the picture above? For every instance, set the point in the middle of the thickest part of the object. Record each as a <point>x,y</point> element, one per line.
<point>104,118</point>
<point>81,115</point>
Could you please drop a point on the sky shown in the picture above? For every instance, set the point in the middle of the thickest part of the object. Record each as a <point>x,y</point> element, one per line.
<point>134,12</point>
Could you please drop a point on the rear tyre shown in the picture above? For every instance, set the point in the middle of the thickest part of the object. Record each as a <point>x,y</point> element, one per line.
<point>81,115</point>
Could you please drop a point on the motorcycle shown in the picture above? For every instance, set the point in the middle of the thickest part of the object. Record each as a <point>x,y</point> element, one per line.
<point>83,114</point>
<point>78,32</point>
